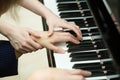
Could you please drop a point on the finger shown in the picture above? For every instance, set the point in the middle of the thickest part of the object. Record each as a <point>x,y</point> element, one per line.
<point>35,44</point>
<point>65,37</point>
<point>33,33</point>
<point>54,48</point>
<point>81,72</point>
<point>22,51</point>
<point>75,29</point>
<point>50,31</point>
<point>78,32</point>
<point>27,49</point>
<point>73,39</point>
<point>73,24</point>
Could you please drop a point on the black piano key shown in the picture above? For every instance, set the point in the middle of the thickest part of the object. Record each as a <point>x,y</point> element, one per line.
<point>96,73</point>
<point>109,72</point>
<point>84,31</point>
<point>68,0</point>
<point>89,67</point>
<point>83,54</point>
<point>100,55</point>
<point>66,7</point>
<point>94,30</point>
<point>90,21</point>
<point>93,67</point>
<point>99,44</point>
<point>83,5</point>
<point>75,59</point>
<point>87,42</point>
<point>94,33</point>
<point>87,13</point>
<point>72,32</point>
<point>70,14</point>
<point>103,56</point>
<point>108,66</point>
<point>84,42</point>
<point>74,14</point>
<point>79,22</point>
<point>83,48</point>
<point>70,44</point>
<point>64,0</point>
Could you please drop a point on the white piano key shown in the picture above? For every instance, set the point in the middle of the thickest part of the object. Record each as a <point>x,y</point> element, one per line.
<point>63,60</point>
<point>103,77</point>
<point>113,76</point>
<point>96,78</point>
<point>89,28</point>
<point>78,18</point>
<point>62,45</point>
<point>92,37</point>
<point>74,11</point>
<point>68,2</point>
<point>52,5</point>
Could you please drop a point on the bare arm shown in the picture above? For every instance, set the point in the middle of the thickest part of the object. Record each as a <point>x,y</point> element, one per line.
<point>18,37</point>
<point>37,7</point>
<point>52,20</point>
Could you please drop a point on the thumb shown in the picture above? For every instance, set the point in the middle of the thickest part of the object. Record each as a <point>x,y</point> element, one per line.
<point>50,31</point>
<point>55,48</point>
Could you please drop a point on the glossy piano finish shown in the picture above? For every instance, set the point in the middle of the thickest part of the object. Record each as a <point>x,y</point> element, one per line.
<point>93,53</point>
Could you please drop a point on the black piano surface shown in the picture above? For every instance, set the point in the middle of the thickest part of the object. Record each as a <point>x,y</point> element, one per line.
<point>95,22</point>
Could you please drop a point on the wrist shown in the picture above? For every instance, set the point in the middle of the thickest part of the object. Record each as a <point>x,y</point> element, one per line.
<point>51,17</point>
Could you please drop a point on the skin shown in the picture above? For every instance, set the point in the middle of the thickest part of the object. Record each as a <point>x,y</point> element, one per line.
<point>24,43</point>
<point>26,40</point>
<point>59,74</point>
<point>52,20</point>
<point>50,42</point>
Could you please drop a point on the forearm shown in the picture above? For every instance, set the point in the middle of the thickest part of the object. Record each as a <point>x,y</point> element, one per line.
<point>36,7</point>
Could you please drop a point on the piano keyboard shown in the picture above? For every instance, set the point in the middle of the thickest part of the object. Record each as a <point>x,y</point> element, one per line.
<point>91,54</point>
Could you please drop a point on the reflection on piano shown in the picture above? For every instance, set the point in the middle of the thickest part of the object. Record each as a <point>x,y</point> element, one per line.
<point>99,50</point>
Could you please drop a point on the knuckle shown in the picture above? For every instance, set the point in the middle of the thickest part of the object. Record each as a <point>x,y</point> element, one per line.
<point>24,44</point>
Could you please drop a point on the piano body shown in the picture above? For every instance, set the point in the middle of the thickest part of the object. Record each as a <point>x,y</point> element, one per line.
<point>99,52</point>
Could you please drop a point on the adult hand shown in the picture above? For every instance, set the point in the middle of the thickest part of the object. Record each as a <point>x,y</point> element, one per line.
<point>59,74</point>
<point>56,22</point>
<point>21,40</point>
<point>57,37</point>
